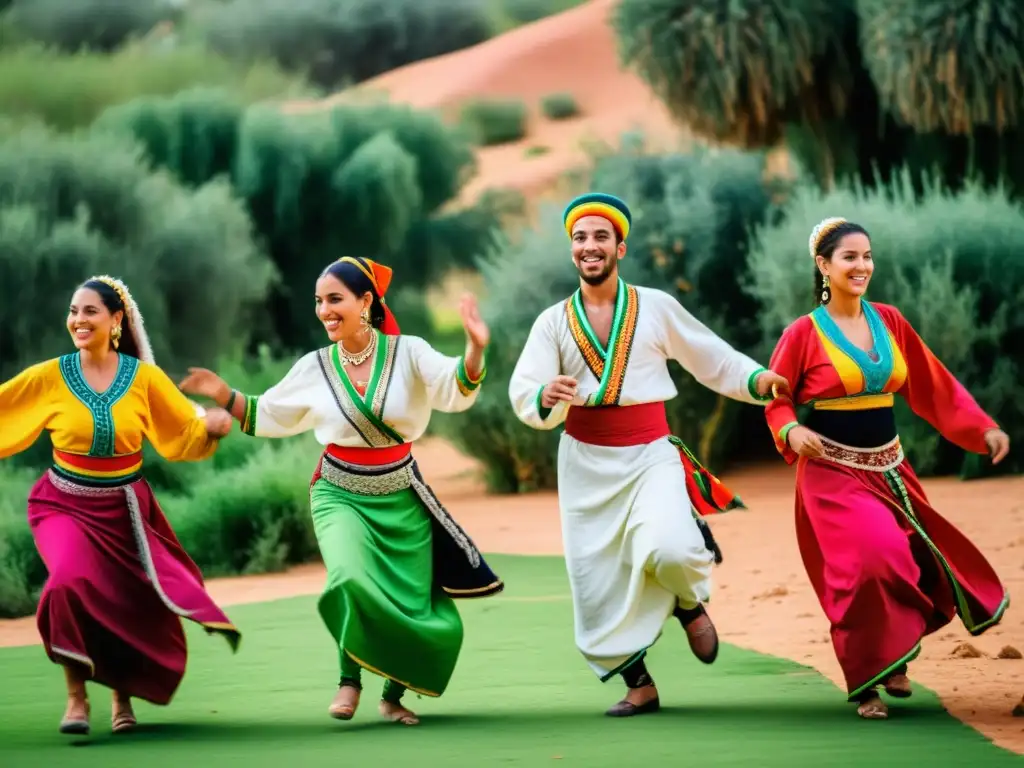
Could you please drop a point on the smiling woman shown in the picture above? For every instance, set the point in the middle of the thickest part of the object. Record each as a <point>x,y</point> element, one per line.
<point>395,558</point>
<point>886,567</point>
<point>118,577</point>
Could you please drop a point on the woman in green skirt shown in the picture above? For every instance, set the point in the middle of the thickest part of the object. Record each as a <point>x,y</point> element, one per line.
<point>395,558</point>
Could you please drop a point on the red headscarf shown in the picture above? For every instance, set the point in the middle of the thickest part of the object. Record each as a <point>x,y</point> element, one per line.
<point>380,277</point>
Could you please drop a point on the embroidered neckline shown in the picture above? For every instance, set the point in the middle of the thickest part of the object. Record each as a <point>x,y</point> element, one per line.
<point>100,404</point>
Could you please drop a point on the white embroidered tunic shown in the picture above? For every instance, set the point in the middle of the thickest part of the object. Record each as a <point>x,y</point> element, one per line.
<point>632,547</point>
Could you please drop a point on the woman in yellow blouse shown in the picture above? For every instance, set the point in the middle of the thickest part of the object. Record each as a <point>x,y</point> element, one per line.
<point>118,578</point>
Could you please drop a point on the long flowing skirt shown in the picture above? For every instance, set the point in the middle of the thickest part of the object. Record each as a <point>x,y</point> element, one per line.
<point>118,582</point>
<point>382,603</point>
<point>886,567</point>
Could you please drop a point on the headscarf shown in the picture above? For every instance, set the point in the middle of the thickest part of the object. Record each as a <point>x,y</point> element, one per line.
<point>380,278</point>
<point>598,204</point>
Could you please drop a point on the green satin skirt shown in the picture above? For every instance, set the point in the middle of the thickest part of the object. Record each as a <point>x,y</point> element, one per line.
<point>380,603</point>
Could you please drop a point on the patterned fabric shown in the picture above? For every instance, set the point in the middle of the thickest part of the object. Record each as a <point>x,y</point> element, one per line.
<point>99,405</point>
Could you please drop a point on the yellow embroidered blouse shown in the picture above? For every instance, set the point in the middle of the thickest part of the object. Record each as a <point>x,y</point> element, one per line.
<point>141,402</point>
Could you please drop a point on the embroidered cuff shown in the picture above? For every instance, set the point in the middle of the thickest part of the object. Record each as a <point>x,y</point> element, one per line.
<point>752,386</point>
<point>249,417</point>
<point>541,410</point>
<point>784,432</point>
<point>466,384</point>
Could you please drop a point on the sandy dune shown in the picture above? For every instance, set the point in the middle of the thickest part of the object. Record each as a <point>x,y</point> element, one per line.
<point>572,52</point>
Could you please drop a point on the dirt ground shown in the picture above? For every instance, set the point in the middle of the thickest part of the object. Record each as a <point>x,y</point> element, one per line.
<point>762,600</point>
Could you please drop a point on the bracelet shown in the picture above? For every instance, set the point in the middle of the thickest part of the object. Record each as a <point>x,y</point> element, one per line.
<point>231,400</point>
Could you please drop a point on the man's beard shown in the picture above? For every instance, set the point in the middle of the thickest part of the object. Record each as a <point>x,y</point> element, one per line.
<point>600,277</point>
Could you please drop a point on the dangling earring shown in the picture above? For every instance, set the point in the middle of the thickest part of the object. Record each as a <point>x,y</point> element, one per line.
<point>826,291</point>
<point>115,336</point>
<point>364,317</point>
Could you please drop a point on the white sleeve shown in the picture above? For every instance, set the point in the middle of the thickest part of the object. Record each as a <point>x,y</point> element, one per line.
<point>449,387</point>
<point>538,364</point>
<point>704,354</point>
<point>285,409</point>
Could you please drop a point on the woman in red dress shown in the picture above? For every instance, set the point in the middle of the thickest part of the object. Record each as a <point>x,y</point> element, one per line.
<point>886,567</point>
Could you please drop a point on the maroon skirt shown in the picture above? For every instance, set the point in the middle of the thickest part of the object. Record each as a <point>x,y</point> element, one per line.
<point>119,584</point>
<point>887,568</point>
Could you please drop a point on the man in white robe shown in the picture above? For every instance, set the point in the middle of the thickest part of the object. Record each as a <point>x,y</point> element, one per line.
<point>597,363</point>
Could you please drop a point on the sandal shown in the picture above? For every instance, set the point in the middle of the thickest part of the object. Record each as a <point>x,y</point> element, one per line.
<point>77,725</point>
<point>873,709</point>
<point>399,715</point>
<point>343,707</point>
<point>898,686</point>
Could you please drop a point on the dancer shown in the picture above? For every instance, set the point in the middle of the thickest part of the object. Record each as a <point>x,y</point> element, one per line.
<point>395,558</point>
<point>627,490</point>
<point>886,567</point>
<point>118,578</point>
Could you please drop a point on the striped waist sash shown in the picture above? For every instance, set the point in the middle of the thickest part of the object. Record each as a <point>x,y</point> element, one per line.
<point>97,470</point>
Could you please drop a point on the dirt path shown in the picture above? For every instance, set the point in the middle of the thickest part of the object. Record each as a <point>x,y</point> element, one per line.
<point>763,601</point>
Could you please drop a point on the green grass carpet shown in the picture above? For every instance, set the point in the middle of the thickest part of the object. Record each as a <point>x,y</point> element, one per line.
<point>521,696</point>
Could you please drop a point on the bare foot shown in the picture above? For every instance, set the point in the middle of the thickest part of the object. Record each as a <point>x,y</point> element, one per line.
<point>122,717</point>
<point>398,713</point>
<point>873,709</point>
<point>898,686</point>
<point>638,701</point>
<point>76,716</point>
<point>345,704</point>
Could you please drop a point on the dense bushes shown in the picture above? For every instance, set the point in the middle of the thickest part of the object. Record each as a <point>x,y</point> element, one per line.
<point>75,206</point>
<point>953,266</point>
<point>342,42</point>
<point>361,179</point>
<point>100,25</point>
<point>70,90</point>
<point>856,87</point>
<point>559,106</point>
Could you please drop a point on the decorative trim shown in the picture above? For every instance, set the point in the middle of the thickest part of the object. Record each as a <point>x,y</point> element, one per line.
<point>368,424</point>
<point>882,459</point>
<point>786,429</point>
<point>855,402</point>
<point>541,410</point>
<point>249,417</point>
<point>876,373</point>
<point>752,386</point>
<point>100,405</point>
<point>467,385</point>
<point>620,350</point>
<point>591,351</point>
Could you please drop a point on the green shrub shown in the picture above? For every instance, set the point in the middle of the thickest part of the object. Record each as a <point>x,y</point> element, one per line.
<point>361,180</point>
<point>342,42</point>
<point>559,106</point>
<point>69,91</point>
<point>253,518</point>
<point>101,25</point>
<point>72,206</point>
<point>689,235</point>
<point>952,264</point>
<point>492,122</point>
<point>22,572</point>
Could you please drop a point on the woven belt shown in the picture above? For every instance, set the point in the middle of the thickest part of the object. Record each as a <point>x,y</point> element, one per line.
<point>366,480</point>
<point>881,459</point>
<point>65,485</point>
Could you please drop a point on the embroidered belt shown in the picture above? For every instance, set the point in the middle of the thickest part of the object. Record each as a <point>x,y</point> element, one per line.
<point>65,485</point>
<point>379,480</point>
<point>881,459</point>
